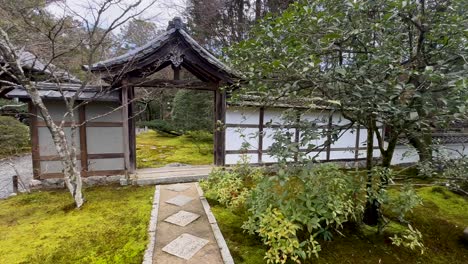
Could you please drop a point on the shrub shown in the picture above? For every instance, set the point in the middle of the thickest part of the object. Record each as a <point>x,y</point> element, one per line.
<point>309,203</point>
<point>232,187</point>
<point>161,125</point>
<point>203,140</point>
<point>193,110</point>
<point>14,137</point>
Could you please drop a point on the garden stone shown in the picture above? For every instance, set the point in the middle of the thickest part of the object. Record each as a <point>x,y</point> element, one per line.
<point>113,179</point>
<point>185,246</point>
<point>182,218</point>
<point>53,183</point>
<point>178,187</point>
<point>179,200</point>
<point>35,183</point>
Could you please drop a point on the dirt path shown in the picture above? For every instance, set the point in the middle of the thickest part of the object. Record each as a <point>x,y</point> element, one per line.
<point>24,166</point>
<point>193,243</point>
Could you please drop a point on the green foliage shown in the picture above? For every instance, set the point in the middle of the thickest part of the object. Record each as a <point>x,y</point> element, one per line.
<point>440,219</point>
<point>44,227</point>
<point>450,168</point>
<point>193,110</point>
<point>203,140</point>
<point>156,149</point>
<point>232,187</point>
<point>14,137</point>
<point>410,239</point>
<point>160,125</point>
<point>396,62</point>
<point>404,202</point>
<point>307,204</point>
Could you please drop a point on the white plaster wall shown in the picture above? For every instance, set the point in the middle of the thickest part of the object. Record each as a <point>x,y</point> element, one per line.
<point>57,110</point>
<point>408,154</point>
<point>46,144</point>
<point>235,158</point>
<point>242,115</point>
<point>106,164</point>
<point>54,166</point>
<point>104,109</point>
<point>236,137</point>
<point>104,140</point>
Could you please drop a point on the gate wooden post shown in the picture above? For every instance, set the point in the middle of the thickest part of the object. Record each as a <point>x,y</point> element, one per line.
<point>220,132</point>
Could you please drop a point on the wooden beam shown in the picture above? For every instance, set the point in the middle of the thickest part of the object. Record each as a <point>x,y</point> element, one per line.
<point>173,84</point>
<point>89,156</point>
<point>88,124</point>
<point>176,71</point>
<point>58,175</point>
<point>34,131</point>
<point>83,138</point>
<point>260,134</point>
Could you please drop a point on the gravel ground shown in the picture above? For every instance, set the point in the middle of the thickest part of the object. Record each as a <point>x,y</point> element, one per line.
<point>24,166</point>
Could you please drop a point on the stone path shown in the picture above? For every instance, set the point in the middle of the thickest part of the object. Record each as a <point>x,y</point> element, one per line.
<point>184,233</point>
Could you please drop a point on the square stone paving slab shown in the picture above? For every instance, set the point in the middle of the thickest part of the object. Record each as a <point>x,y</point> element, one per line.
<point>177,187</point>
<point>185,246</point>
<point>182,218</point>
<point>180,200</point>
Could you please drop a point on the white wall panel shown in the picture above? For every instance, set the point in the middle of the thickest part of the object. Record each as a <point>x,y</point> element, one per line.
<point>104,140</point>
<point>232,159</point>
<point>235,137</point>
<point>239,115</point>
<point>106,109</point>
<point>46,144</point>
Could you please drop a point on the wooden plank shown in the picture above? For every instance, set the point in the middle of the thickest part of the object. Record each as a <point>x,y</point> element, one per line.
<point>35,145</point>
<point>260,134</point>
<point>105,173</point>
<point>174,84</point>
<point>176,71</point>
<point>88,124</point>
<point>106,156</point>
<point>83,139</point>
<point>89,156</point>
<point>58,175</point>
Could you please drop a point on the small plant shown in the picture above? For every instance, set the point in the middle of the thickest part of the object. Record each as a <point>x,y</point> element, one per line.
<point>411,238</point>
<point>302,205</point>
<point>232,187</point>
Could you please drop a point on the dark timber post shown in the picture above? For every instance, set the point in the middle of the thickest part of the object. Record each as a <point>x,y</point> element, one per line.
<point>125,130</point>
<point>220,132</point>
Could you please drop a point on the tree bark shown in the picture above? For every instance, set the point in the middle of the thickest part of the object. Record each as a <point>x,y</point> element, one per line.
<point>371,212</point>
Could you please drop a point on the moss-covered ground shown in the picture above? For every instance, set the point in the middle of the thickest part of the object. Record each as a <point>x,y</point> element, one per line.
<point>157,149</point>
<point>441,219</point>
<point>44,227</point>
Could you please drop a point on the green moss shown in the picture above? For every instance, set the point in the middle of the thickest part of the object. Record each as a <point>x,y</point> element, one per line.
<point>445,204</point>
<point>44,227</point>
<point>245,249</point>
<point>155,149</point>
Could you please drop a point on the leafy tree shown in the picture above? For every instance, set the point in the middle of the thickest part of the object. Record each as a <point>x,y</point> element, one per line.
<point>193,110</point>
<point>137,33</point>
<point>398,63</point>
